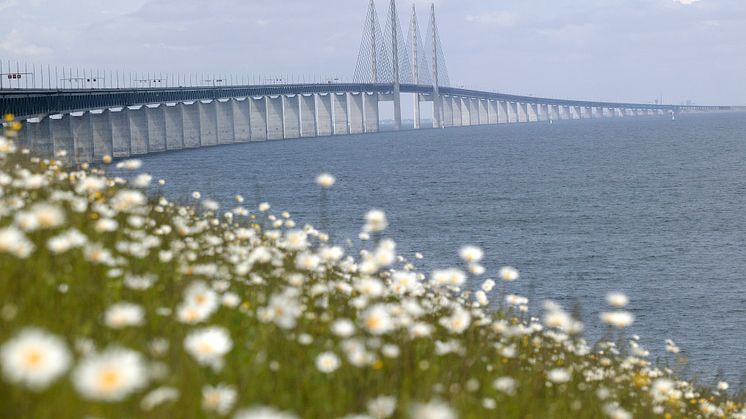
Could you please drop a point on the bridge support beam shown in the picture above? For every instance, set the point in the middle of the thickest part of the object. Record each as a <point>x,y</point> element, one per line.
<point>523,112</point>
<point>139,131</point>
<point>492,112</point>
<point>42,143</point>
<point>502,112</point>
<point>416,110</point>
<point>191,125</point>
<point>341,118</point>
<point>484,114</point>
<point>512,112</point>
<point>447,111</point>
<point>458,114</point>
<point>62,136</point>
<point>208,123</point>
<point>224,117</point>
<point>357,121</point>
<point>370,107</point>
<point>308,116</point>
<point>174,122</point>
<point>543,114</point>
<point>258,118</point>
<point>120,133</point>
<point>82,138</point>
<point>473,111</point>
<point>102,135</point>
<point>156,128</point>
<point>291,116</point>
<point>241,120</point>
<point>324,112</point>
<point>275,117</point>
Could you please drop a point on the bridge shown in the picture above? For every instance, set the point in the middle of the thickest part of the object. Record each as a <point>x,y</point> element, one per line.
<point>122,119</point>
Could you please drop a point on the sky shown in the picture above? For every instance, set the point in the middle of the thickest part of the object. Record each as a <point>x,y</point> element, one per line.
<point>615,50</point>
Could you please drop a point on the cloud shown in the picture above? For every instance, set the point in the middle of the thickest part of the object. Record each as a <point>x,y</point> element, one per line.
<point>14,43</point>
<point>494,18</point>
<point>686,2</point>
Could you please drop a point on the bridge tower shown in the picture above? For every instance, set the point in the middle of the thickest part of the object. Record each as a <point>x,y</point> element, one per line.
<point>437,112</point>
<point>394,22</point>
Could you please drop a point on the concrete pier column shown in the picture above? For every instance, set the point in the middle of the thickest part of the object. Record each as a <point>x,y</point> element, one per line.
<point>484,113</point>
<point>341,119</point>
<point>241,120</point>
<point>62,136</point>
<point>416,109</point>
<point>291,109</point>
<point>588,112</point>
<point>554,112</point>
<point>543,112</point>
<point>356,113</point>
<point>533,112</point>
<point>82,138</point>
<point>41,142</point>
<point>447,111</point>
<point>324,112</point>
<point>512,112</point>
<point>575,112</point>
<point>473,111</point>
<point>120,132</point>
<point>156,128</point>
<point>258,118</point>
<point>465,111</point>
<point>492,112</point>
<point>458,112</point>
<point>502,112</point>
<point>208,123</point>
<point>224,117</point>
<point>370,107</point>
<point>522,112</point>
<point>275,124</point>
<point>190,125</point>
<point>173,115</point>
<point>102,135</point>
<point>308,116</point>
<point>138,131</point>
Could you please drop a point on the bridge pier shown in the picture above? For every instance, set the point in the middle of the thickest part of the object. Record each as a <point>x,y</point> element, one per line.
<point>82,138</point>
<point>62,135</point>
<point>341,120</point>
<point>458,118</point>
<point>208,123</point>
<point>447,111</point>
<point>41,142</point>
<point>370,108</point>
<point>522,112</point>
<point>275,118</point>
<point>543,112</point>
<point>324,114</point>
<point>307,115</point>
<point>225,129</point>
<point>102,134</point>
<point>492,112</point>
<point>357,121</point>
<point>241,120</point>
<point>484,114</point>
<point>156,129</point>
<point>502,112</point>
<point>174,122</point>
<point>258,118</point>
<point>512,112</point>
<point>138,131</point>
<point>191,125</point>
<point>291,116</point>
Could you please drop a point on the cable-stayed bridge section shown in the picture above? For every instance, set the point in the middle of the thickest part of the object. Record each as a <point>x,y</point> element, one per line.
<point>123,120</point>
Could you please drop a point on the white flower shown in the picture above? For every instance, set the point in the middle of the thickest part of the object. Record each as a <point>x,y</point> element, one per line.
<point>47,215</point>
<point>132,164</point>
<point>142,180</point>
<point>126,200</point>
<point>307,261</point>
<point>508,274</point>
<point>377,320</point>
<point>505,385</point>
<point>218,398</point>
<point>375,221</point>
<point>618,319</point>
<point>14,242</point>
<point>106,225</point>
<point>433,410</point>
<point>559,375</point>
<point>34,358</point>
<point>296,240</point>
<point>457,322</point>
<point>451,277</point>
<point>343,328</point>
<point>327,362</point>
<point>159,396</point>
<point>722,386</point>
<point>121,315</point>
<point>382,407</point>
<point>325,180</point>
<point>264,207</point>
<point>617,299</point>
<point>471,254</point>
<point>111,375</point>
<point>208,345</point>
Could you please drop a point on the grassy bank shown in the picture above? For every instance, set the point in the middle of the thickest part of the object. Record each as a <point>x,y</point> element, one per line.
<point>114,304</point>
